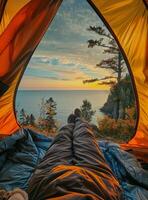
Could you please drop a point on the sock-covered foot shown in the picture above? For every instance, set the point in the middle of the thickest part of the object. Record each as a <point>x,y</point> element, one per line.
<point>71,118</point>
<point>77,112</point>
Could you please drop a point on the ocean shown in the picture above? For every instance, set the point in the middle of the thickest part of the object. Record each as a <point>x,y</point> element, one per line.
<point>67,101</point>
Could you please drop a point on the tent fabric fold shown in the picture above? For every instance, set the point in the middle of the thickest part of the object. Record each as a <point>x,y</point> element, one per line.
<point>17,44</point>
<point>2,7</point>
<point>10,9</point>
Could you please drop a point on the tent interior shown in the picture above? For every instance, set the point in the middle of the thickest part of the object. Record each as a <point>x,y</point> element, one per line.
<point>23,24</point>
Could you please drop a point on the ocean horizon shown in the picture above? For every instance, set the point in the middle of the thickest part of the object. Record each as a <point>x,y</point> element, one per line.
<point>66,100</point>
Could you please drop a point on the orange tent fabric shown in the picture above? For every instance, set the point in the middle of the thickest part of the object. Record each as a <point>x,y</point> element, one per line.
<point>9,8</point>
<point>23,24</point>
<point>128,20</point>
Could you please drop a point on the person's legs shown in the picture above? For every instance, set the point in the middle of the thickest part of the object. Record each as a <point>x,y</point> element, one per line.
<point>59,153</point>
<point>88,156</point>
<point>85,147</point>
<point>61,150</point>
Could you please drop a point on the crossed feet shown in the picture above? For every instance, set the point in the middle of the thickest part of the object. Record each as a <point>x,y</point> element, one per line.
<point>72,117</point>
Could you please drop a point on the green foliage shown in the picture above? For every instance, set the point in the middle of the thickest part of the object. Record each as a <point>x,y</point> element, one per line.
<point>22,117</point>
<point>46,121</point>
<point>47,113</point>
<point>87,112</point>
<point>121,98</point>
<point>118,131</point>
<point>25,119</point>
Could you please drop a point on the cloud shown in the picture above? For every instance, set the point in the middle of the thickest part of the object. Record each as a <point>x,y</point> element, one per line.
<point>63,56</point>
<point>56,71</point>
<point>41,73</point>
<point>80,78</point>
<point>54,61</point>
<point>62,68</point>
<point>68,31</point>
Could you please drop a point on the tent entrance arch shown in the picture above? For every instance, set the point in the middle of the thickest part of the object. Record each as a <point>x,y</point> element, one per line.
<point>58,68</point>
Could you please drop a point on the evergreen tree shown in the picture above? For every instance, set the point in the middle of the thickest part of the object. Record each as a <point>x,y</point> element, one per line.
<point>87,112</point>
<point>22,117</point>
<point>47,114</point>
<point>126,97</point>
<point>114,62</point>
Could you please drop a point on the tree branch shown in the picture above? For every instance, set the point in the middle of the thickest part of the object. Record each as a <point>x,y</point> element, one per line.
<point>107,83</point>
<point>99,30</point>
<point>91,80</point>
<point>92,43</point>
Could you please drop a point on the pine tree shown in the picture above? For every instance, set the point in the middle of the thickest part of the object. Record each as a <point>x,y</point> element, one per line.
<point>22,117</point>
<point>87,112</point>
<point>114,62</point>
<point>47,114</point>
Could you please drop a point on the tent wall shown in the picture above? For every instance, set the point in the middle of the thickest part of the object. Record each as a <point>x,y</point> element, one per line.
<point>22,27</point>
<point>9,8</point>
<point>128,21</point>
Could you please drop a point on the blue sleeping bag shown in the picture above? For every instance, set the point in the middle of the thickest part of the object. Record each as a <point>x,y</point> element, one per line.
<point>19,156</point>
<point>131,176</point>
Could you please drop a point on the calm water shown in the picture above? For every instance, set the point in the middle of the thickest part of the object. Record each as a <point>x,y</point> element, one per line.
<point>66,101</point>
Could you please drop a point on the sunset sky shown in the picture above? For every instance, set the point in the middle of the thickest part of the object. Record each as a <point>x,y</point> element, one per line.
<point>63,60</point>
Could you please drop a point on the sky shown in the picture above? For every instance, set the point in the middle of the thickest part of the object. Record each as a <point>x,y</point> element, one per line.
<point>63,60</point>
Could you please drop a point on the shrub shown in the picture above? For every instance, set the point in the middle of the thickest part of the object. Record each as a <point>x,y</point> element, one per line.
<point>120,131</point>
